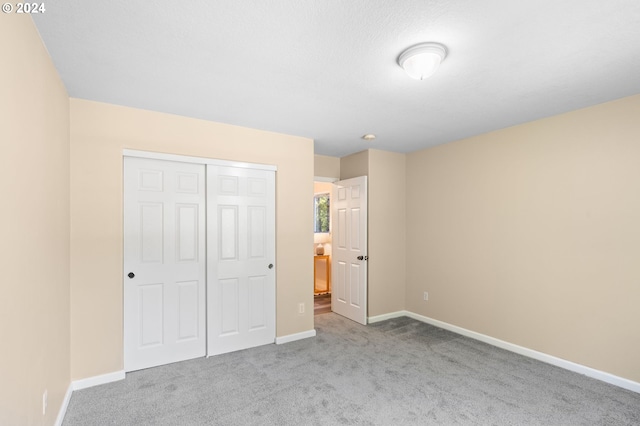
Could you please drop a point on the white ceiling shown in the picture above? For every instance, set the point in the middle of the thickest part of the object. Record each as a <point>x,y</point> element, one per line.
<point>326,69</point>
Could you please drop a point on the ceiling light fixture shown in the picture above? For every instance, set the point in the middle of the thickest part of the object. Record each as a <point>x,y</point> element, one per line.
<point>422,60</point>
<point>369,137</point>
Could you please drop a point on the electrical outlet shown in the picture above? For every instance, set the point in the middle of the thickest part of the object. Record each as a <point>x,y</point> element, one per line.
<point>45,401</point>
<point>426,296</point>
<point>301,308</point>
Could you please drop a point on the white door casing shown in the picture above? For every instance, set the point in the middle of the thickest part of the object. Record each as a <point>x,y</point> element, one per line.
<point>164,262</point>
<point>349,248</point>
<point>241,258</point>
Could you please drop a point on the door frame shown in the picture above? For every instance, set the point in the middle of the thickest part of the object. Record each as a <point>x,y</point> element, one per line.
<point>194,160</point>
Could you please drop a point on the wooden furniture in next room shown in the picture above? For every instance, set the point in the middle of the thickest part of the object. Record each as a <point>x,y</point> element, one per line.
<point>321,274</point>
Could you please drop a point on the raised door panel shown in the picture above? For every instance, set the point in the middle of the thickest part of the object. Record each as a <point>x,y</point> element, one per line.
<point>151,228</point>
<point>354,225</point>
<point>228,233</point>
<point>228,306</point>
<point>355,297</point>
<point>151,322</point>
<point>256,232</point>
<point>189,310</point>
<point>258,286</point>
<point>188,232</point>
<point>322,274</point>
<point>341,228</point>
<point>340,281</point>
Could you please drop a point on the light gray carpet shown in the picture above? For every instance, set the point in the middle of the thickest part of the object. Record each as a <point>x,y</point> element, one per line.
<point>397,372</point>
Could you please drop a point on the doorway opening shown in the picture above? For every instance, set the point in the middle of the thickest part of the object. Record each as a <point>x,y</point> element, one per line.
<point>322,247</point>
<point>340,267</point>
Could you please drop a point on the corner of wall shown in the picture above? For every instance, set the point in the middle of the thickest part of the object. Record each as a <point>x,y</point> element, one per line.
<point>354,165</point>
<point>326,166</point>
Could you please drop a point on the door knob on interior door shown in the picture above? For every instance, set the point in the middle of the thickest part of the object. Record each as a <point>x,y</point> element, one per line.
<point>360,257</point>
<point>131,275</point>
<point>271,266</point>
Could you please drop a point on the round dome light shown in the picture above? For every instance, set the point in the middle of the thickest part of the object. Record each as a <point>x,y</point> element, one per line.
<point>422,60</point>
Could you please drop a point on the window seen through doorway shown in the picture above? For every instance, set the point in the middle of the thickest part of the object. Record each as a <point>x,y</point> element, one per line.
<point>321,213</point>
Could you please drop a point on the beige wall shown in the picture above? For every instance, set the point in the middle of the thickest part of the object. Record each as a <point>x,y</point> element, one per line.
<point>531,235</point>
<point>34,183</point>
<point>386,271</point>
<point>387,232</point>
<point>325,166</point>
<point>322,187</point>
<point>99,133</point>
<point>354,165</point>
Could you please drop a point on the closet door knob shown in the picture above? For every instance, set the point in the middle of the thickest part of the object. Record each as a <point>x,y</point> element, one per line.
<point>271,266</point>
<point>131,275</point>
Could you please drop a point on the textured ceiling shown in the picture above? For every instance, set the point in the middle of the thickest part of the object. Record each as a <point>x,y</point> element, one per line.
<point>327,69</point>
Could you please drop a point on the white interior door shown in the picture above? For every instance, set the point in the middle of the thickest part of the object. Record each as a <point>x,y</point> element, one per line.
<point>349,248</point>
<point>241,258</point>
<point>164,262</point>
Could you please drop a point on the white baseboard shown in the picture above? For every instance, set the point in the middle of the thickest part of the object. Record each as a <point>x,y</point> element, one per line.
<point>385,317</point>
<point>540,356</point>
<point>83,384</point>
<point>63,407</point>
<point>98,380</point>
<point>296,336</point>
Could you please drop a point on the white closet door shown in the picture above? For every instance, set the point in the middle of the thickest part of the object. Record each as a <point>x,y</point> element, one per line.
<point>164,262</point>
<point>241,258</point>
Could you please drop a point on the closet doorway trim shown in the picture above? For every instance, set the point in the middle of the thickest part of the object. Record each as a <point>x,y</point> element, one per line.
<point>196,160</point>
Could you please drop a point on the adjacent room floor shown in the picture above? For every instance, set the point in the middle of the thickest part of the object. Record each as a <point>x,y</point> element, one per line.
<point>322,304</point>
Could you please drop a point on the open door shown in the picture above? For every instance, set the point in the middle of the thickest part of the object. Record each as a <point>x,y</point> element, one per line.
<point>349,245</point>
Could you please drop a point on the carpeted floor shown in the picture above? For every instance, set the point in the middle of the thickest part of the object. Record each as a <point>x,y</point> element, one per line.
<point>397,372</point>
